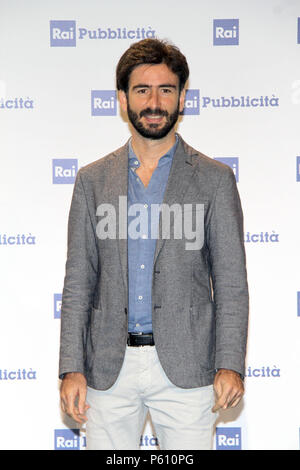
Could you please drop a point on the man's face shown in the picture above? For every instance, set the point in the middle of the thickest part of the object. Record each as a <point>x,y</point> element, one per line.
<point>153,101</point>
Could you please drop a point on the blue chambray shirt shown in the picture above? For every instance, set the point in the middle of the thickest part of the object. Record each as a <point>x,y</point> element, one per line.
<point>141,247</point>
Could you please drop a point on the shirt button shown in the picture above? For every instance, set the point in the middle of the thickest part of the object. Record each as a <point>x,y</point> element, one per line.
<point>142,266</point>
<point>140,297</point>
<point>144,236</point>
<point>137,324</point>
<point>146,205</point>
<point>136,162</point>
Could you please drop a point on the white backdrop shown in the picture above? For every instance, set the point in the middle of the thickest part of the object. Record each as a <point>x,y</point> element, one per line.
<point>58,112</point>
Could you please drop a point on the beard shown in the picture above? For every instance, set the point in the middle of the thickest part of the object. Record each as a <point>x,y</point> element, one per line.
<point>153,131</point>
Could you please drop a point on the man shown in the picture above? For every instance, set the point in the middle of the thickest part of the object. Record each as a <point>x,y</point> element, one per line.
<point>150,320</point>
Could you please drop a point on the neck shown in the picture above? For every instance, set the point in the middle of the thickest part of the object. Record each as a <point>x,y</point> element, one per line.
<point>149,151</point>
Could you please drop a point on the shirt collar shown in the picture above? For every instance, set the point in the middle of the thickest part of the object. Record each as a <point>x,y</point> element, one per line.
<point>134,162</point>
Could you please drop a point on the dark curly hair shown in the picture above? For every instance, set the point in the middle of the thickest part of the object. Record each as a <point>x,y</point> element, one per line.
<point>151,51</point>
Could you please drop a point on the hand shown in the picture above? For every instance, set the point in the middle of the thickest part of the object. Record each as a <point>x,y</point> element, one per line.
<point>73,395</point>
<point>229,389</point>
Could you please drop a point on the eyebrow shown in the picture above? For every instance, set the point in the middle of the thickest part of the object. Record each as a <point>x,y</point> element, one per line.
<point>164,85</point>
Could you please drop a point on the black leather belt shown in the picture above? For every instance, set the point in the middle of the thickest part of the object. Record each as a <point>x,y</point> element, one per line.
<point>140,339</point>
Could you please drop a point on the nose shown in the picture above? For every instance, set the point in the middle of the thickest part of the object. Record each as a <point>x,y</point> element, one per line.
<point>154,99</point>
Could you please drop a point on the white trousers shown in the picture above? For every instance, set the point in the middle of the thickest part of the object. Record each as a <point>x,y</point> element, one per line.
<point>182,418</point>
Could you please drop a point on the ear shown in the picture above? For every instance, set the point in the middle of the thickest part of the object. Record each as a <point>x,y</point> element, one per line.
<point>123,100</point>
<point>181,100</point>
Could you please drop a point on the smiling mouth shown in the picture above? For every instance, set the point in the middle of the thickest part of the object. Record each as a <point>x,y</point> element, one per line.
<point>154,118</point>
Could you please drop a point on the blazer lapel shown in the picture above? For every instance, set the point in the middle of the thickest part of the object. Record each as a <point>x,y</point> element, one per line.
<point>181,172</point>
<point>118,197</point>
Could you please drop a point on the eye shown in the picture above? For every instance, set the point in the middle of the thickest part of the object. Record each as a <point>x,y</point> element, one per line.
<point>142,91</point>
<point>166,91</point>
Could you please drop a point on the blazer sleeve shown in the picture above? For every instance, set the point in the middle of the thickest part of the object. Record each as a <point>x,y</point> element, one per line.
<point>225,237</point>
<point>79,284</point>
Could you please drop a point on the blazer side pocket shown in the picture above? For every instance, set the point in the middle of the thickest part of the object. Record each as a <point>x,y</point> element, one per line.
<point>93,336</point>
<point>203,332</point>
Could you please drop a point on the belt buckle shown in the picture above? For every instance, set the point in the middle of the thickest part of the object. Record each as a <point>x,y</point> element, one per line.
<point>130,335</point>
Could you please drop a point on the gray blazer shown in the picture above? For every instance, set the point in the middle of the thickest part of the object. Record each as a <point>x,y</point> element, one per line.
<point>199,297</point>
